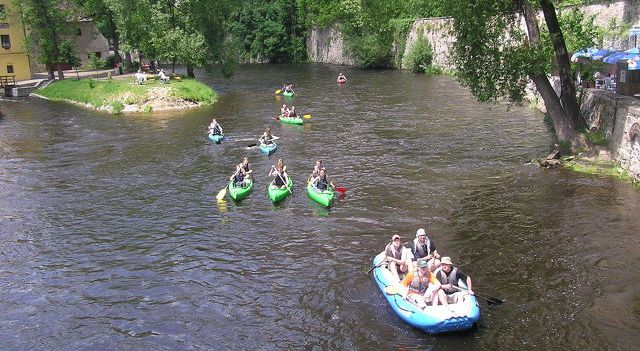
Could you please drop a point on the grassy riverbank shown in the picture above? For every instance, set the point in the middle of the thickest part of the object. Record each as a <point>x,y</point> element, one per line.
<point>124,95</point>
<point>599,167</point>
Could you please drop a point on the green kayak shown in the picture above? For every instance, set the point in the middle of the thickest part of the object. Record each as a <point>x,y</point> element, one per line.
<point>324,198</point>
<point>237,192</point>
<point>278,194</point>
<point>288,93</point>
<point>291,120</point>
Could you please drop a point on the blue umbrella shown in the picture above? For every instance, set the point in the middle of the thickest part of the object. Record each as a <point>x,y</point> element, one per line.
<point>583,53</point>
<point>633,51</point>
<point>600,54</point>
<point>633,64</point>
<point>634,31</point>
<point>613,58</point>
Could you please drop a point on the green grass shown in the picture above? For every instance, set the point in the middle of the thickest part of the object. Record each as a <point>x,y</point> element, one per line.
<point>601,168</point>
<point>596,138</point>
<point>117,92</point>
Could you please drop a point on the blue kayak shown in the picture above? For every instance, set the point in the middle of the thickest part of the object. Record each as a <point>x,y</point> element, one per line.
<point>216,138</point>
<point>432,319</point>
<point>268,149</point>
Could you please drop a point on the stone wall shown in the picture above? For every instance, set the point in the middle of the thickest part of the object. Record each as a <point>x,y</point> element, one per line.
<point>619,118</point>
<point>325,45</point>
<point>437,33</point>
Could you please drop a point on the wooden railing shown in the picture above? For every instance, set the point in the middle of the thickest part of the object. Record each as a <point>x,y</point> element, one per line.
<point>7,81</point>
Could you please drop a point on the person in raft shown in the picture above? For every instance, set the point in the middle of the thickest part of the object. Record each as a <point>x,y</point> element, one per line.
<point>321,182</point>
<point>397,256</point>
<point>215,128</point>
<point>422,285</point>
<point>266,138</point>
<point>448,276</point>
<point>341,77</point>
<point>278,171</point>
<point>422,247</point>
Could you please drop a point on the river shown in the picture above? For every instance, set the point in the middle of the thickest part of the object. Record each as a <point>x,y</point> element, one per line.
<point>111,237</point>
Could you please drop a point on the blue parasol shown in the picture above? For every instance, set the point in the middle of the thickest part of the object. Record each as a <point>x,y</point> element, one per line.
<point>600,54</point>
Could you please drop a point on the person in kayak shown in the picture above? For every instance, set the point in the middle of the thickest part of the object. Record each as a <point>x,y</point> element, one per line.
<point>448,276</point>
<point>215,128</point>
<point>341,77</point>
<point>397,256</point>
<point>284,111</point>
<point>288,89</point>
<point>321,182</point>
<point>423,247</point>
<point>316,169</point>
<point>239,177</point>
<point>267,137</point>
<point>292,112</point>
<point>278,171</point>
<point>246,167</point>
<point>422,285</point>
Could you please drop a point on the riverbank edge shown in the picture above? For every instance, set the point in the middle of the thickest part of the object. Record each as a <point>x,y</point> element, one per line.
<point>164,99</point>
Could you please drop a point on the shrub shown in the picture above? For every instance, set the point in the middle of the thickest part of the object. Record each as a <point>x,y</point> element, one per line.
<point>95,62</point>
<point>110,61</point>
<point>419,57</point>
<point>117,107</point>
<point>92,83</point>
<point>147,108</point>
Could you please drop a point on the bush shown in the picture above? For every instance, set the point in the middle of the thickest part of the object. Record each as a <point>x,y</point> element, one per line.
<point>371,52</point>
<point>117,107</point>
<point>147,108</point>
<point>95,62</point>
<point>92,83</point>
<point>419,58</point>
<point>110,61</point>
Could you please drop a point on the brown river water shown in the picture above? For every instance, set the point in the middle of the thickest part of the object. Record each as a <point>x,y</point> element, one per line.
<point>111,237</point>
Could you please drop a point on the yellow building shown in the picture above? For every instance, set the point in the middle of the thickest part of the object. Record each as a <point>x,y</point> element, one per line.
<point>14,61</point>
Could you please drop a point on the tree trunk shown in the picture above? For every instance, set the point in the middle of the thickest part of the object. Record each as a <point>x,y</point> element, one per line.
<point>115,37</point>
<point>567,86</point>
<point>52,75</point>
<point>564,123</point>
<point>127,58</point>
<point>190,71</point>
<point>60,72</point>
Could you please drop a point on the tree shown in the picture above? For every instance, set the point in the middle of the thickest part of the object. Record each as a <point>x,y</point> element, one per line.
<point>495,58</point>
<point>47,22</point>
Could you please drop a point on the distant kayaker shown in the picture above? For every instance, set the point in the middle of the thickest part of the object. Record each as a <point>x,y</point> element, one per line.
<point>341,77</point>
<point>246,166</point>
<point>292,112</point>
<point>288,89</point>
<point>422,285</point>
<point>422,246</point>
<point>316,169</point>
<point>321,182</point>
<point>398,257</point>
<point>215,128</point>
<point>279,172</point>
<point>239,177</point>
<point>284,111</point>
<point>267,137</point>
<point>448,276</point>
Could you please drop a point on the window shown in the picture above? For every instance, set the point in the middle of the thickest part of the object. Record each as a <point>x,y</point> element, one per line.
<point>78,32</point>
<point>6,43</point>
<point>9,68</point>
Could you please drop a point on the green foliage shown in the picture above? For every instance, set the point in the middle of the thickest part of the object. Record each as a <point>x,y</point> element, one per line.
<point>371,52</point>
<point>420,55</point>
<point>579,31</point>
<point>68,55</point>
<point>434,69</point>
<point>95,62</point>
<point>92,83</point>
<point>117,107</point>
<point>110,61</point>
<point>147,108</point>
<point>400,28</point>
<point>596,138</point>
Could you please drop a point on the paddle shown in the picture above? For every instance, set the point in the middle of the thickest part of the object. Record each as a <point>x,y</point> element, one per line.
<point>255,144</point>
<point>223,192</point>
<point>492,301</point>
<point>307,116</point>
<point>277,118</point>
<point>282,179</point>
<point>278,91</point>
<point>376,266</point>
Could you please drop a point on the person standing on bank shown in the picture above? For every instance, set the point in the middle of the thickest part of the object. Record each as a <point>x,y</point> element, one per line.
<point>448,275</point>
<point>422,246</point>
<point>397,256</point>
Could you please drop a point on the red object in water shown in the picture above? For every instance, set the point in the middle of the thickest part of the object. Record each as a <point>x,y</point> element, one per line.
<point>341,189</point>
